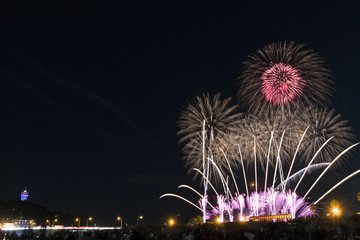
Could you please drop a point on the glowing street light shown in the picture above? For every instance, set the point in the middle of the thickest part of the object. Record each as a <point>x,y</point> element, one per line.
<point>336,211</point>
<point>54,221</point>
<point>87,221</point>
<point>218,220</point>
<point>48,222</point>
<point>335,208</point>
<point>171,222</point>
<point>78,221</point>
<point>119,219</point>
<point>138,219</point>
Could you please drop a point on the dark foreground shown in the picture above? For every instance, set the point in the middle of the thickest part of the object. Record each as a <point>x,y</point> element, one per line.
<point>315,228</point>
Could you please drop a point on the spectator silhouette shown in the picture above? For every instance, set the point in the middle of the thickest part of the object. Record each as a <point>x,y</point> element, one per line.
<point>137,236</point>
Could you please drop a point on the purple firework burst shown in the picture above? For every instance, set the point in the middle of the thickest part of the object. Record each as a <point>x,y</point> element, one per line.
<point>281,84</point>
<point>266,203</point>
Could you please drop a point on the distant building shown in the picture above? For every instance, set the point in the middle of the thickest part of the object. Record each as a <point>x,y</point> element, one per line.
<point>17,223</point>
<point>24,195</point>
<point>24,223</point>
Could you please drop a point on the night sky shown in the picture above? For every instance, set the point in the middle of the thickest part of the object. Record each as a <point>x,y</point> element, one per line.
<point>89,99</point>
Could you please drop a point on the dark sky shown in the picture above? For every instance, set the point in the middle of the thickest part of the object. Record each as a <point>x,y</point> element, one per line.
<point>89,99</point>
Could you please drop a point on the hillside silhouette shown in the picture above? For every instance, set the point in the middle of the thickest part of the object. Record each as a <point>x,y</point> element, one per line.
<point>16,209</point>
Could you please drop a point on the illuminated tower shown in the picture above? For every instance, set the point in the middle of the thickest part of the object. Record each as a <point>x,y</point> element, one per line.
<point>24,195</point>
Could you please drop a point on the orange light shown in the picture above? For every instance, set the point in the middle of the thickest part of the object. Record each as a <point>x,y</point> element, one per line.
<point>336,211</point>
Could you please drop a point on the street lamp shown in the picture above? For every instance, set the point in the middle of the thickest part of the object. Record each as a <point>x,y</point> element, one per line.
<point>138,219</point>
<point>171,222</point>
<point>55,220</point>
<point>87,221</point>
<point>48,222</point>
<point>335,208</point>
<point>120,219</point>
<point>78,221</point>
<point>336,211</point>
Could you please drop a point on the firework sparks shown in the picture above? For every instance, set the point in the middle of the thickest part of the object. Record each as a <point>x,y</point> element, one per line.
<point>271,201</point>
<point>281,84</point>
<point>206,121</point>
<point>217,138</point>
<point>284,74</point>
<point>324,123</point>
<point>262,128</point>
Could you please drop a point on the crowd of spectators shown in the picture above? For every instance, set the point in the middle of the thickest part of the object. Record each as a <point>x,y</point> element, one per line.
<point>303,229</point>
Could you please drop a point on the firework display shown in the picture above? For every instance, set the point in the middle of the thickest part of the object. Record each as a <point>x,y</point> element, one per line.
<point>206,121</point>
<point>284,74</point>
<point>257,131</point>
<point>324,123</point>
<point>252,163</point>
<point>281,84</point>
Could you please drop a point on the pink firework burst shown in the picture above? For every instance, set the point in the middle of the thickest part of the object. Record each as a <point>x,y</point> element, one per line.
<point>281,84</point>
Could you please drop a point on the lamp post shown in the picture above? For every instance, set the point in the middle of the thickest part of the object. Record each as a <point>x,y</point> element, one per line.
<point>78,221</point>
<point>54,221</point>
<point>138,219</point>
<point>87,221</point>
<point>120,219</point>
<point>48,222</point>
<point>171,222</point>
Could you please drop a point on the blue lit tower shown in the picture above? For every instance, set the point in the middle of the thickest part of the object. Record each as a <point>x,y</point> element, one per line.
<point>24,195</point>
